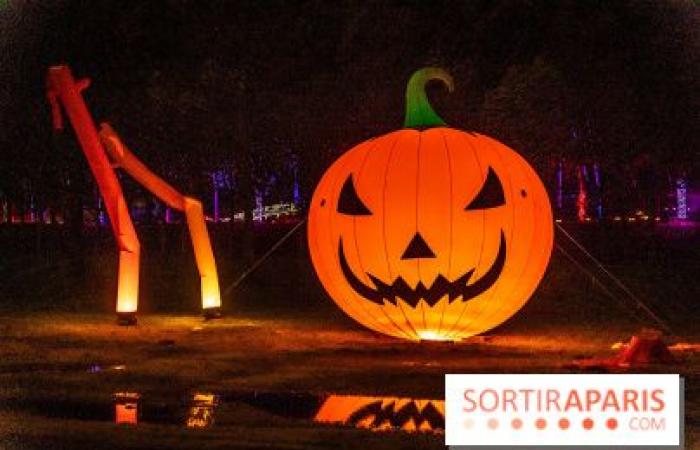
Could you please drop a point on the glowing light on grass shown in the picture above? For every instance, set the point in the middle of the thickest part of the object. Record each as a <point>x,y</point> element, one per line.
<point>434,335</point>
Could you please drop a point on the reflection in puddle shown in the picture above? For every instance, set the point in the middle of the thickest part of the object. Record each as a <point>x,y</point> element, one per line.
<point>198,409</point>
<point>201,414</point>
<point>383,413</point>
<point>126,408</point>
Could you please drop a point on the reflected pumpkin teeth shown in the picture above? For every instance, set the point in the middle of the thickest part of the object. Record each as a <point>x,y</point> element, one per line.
<point>440,287</point>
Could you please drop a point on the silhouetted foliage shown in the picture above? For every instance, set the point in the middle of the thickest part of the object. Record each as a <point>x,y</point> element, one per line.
<point>244,86</point>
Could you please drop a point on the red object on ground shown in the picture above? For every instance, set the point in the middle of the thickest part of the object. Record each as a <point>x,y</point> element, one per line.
<point>645,348</point>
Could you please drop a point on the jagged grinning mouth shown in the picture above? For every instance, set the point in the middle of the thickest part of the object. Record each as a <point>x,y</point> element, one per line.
<point>431,295</point>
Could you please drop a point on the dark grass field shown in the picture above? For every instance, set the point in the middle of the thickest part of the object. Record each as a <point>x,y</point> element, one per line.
<point>283,348</point>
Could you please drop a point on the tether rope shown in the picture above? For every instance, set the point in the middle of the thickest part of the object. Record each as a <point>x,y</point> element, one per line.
<point>617,281</point>
<point>262,259</point>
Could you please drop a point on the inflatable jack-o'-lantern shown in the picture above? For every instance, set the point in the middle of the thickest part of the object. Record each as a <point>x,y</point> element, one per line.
<point>430,232</point>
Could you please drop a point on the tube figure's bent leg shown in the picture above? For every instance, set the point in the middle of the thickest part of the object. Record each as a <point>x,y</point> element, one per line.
<point>63,89</point>
<point>204,255</point>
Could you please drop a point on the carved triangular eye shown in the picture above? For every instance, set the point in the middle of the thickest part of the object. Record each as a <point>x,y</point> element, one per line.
<point>349,203</point>
<point>490,195</point>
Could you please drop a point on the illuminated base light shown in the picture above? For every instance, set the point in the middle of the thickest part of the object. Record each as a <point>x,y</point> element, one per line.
<point>210,300</point>
<point>126,319</point>
<point>432,335</point>
<point>126,306</point>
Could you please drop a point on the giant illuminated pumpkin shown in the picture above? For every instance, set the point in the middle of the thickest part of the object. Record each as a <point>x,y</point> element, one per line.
<point>430,232</point>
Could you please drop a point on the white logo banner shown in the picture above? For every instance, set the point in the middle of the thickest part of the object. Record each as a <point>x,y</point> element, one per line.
<point>562,410</point>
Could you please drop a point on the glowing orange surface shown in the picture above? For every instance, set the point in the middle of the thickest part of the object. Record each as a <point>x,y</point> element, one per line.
<point>63,89</point>
<point>194,214</point>
<point>126,408</point>
<point>430,234</point>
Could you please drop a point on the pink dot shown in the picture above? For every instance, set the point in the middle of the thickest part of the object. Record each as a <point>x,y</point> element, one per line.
<point>493,423</point>
<point>587,424</point>
<point>611,423</point>
<point>517,424</point>
<point>564,423</point>
<point>541,424</point>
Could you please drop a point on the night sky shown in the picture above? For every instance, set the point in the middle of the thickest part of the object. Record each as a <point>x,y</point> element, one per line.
<point>196,86</point>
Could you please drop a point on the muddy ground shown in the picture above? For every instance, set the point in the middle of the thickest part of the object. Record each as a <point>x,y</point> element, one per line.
<point>265,375</point>
<point>65,375</point>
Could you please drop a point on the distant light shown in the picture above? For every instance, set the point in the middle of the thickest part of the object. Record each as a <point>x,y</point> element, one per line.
<point>631,219</point>
<point>681,199</point>
<point>617,218</point>
<point>558,220</point>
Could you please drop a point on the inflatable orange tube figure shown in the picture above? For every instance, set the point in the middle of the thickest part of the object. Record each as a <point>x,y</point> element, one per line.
<point>194,213</point>
<point>63,89</point>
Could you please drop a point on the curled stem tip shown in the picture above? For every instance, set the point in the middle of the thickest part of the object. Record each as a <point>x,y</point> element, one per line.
<point>419,112</point>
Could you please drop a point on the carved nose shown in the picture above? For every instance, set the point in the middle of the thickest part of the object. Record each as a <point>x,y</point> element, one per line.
<point>417,248</point>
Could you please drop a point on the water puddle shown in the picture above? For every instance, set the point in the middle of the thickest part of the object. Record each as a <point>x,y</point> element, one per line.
<point>383,413</point>
<point>201,410</point>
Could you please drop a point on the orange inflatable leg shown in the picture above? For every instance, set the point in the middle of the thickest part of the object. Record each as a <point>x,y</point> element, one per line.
<point>204,256</point>
<point>62,89</point>
<point>129,256</point>
<point>211,298</point>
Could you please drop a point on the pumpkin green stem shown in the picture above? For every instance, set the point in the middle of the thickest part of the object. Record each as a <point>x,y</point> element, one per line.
<point>419,113</point>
